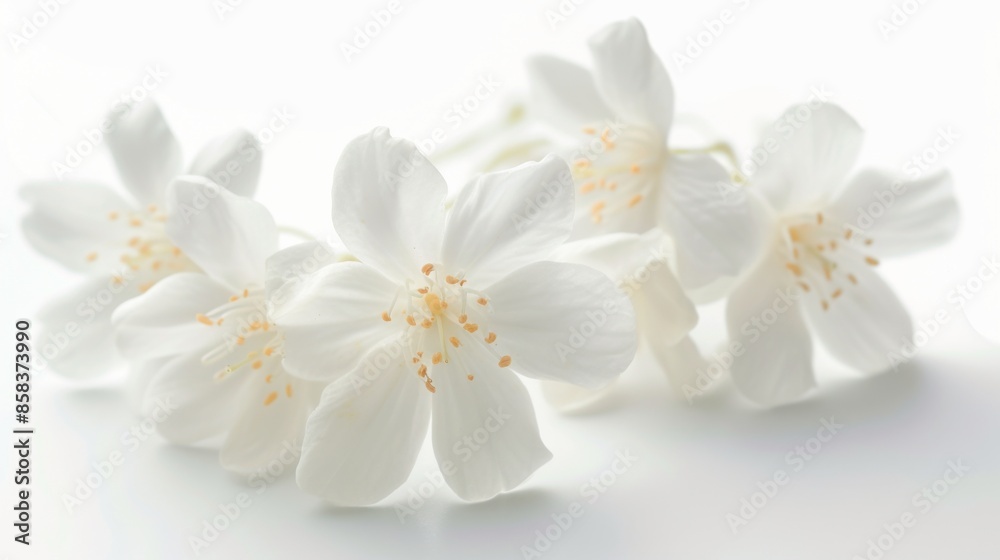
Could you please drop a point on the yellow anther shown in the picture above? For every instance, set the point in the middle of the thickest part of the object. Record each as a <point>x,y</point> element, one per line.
<point>636,199</point>
<point>386,317</point>
<point>586,188</point>
<point>852,278</point>
<point>504,361</point>
<point>135,222</point>
<point>240,340</point>
<point>482,301</point>
<point>91,257</point>
<point>430,386</point>
<point>268,351</point>
<point>491,338</point>
<point>454,342</point>
<point>411,320</point>
<point>837,293</point>
<point>872,261</point>
<point>634,169</point>
<point>463,318</point>
<point>589,130</point>
<point>288,390</point>
<point>434,303</point>
<point>426,323</point>
<point>825,305</point>
<point>246,292</point>
<point>471,327</point>
<point>112,215</point>
<point>427,269</point>
<point>271,398</point>
<point>470,377</point>
<point>268,378</point>
<point>257,364</point>
<point>795,268</point>
<point>819,218</point>
<point>204,320</point>
<point>422,371</point>
<point>436,358</point>
<point>422,290</point>
<point>805,287</point>
<point>451,279</point>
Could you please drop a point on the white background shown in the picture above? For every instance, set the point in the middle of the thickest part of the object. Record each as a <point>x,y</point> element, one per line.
<point>695,463</point>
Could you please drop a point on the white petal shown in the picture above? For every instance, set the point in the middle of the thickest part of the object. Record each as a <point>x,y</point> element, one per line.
<point>334,319</point>
<point>388,204</point>
<point>631,77</point>
<point>162,321</point>
<point>681,362</point>
<point>569,398</point>
<point>866,325</point>
<point>564,93</point>
<point>145,150</point>
<point>71,223</point>
<point>232,161</point>
<point>508,219</point>
<point>362,441</point>
<point>485,434</point>
<point>287,269</point>
<point>202,406</point>
<point>230,237</point>
<point>264,433</point>
<point>816,149</point>
<point>900,216</point>
<point>716,231</point>
<point>76,338</point>
<point>563,322</point>
<point>639,265</point>
<point>776,364</point>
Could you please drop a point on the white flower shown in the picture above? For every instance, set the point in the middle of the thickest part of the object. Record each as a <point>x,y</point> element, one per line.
<point>436,315</point>
<point>204,341</point>
<point>119,243</point>
<point>827,234</point>
<point>639,265</point>
<point>628,178</point>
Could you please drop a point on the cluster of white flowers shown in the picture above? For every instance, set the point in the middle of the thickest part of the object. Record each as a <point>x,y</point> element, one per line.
<point>551,269</point>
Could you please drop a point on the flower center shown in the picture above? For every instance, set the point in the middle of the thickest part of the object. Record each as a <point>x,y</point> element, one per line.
<point>434,309</point>
<point>618,167</point>
<point>149,249</point>
<point>814,255</point>
<point>250,341</point>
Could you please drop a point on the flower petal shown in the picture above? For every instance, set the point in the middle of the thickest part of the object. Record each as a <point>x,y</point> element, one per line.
<point>162,322</point>
<point>568,398</point>
<point>203,406</point>
<point>816,151</point>
<point>334,319</point>
<point>639,265</point>
<point>901,217</point>
<point>388,204</point>
<point>363,439</point>
<point>232,161</point>
<point>716,231</point>
<point>267,428</point>
<point>866,325</point>
<point>485,434</point>
<point>145,150</point>
<point>776,364</point>
<point>681,362</point>
<point>230,237</point>
<point>72,223</point>
<point>565,93</point>
<point>76,328</point>
<point>508,219</point>
<point>631,77</point>
<point>563,322</point>
<point>287,269</point>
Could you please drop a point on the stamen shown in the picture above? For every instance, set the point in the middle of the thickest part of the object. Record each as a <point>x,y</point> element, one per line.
<point>463,318</point>
<point>288,390</point>
<point>471,327</point>
<point>427,269</point>
<point>491,338</point>
<point>204,320</point>
<point>386,317</point>
<point>436,358</point>
<point>636,199</point>
<point>454,342</point>
<point>504,361</point>
<point>91,257</point>
<point>872,261</point>
<point>271,398</point>
<point>796,269</point>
